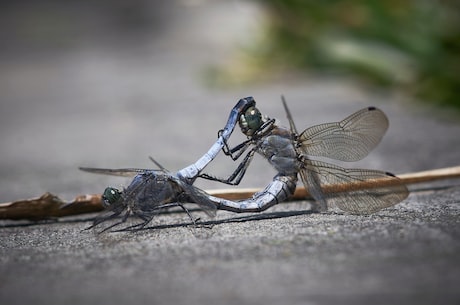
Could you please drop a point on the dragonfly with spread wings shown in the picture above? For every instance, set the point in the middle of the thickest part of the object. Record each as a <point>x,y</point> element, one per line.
<point>357,191</point>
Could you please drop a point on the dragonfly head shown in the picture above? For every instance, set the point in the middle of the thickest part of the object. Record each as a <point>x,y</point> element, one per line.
<point>250,121</point>
<point>111,196</point>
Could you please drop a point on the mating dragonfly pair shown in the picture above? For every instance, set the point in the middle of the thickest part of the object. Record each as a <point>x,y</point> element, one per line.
<point>357,191</point>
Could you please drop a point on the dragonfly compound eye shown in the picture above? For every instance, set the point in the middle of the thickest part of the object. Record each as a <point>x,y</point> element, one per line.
<point>250,121</point>
<point>111,195</point>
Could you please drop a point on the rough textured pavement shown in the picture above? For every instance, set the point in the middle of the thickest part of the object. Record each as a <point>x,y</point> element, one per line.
<point>110,104</point>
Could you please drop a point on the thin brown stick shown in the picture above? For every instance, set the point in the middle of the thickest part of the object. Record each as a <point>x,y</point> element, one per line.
<point>302,193</point>
<point>50,206</point>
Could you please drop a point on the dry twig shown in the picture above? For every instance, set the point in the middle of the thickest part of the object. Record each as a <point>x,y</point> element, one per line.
<point>50,206</point>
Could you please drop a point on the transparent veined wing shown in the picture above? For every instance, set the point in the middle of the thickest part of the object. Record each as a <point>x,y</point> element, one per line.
<point>122,172</point>
<point>348,140</point>
<point>358,191</point>
<point>199,197</point>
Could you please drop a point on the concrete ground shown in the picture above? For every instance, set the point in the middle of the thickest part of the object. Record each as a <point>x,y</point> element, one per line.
<point>114,98</point>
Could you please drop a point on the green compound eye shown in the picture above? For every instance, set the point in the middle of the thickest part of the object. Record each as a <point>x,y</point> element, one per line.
<point>250,121</point>
<point>111,195</point>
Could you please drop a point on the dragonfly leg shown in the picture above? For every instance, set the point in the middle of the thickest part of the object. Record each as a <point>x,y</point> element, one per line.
<point>238,149</point>
<point>194,221</point>
<point>146,219</point>
<point>236,152</point>
<point>123,220</point>
<point>101,219</point>
<point>237,175</point>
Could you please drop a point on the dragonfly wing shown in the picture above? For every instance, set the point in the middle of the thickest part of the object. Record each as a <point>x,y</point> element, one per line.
<point>123,172</point>
<point>358,191</point>
<point>348,140</point>
<point>312,182</point>
<point>199,197</point>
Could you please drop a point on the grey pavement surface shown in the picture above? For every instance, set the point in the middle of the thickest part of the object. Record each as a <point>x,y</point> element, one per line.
<point>115,98</point>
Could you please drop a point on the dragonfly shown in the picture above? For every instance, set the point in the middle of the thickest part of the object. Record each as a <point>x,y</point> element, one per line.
<point>293,154</point>
<point>154,190</point>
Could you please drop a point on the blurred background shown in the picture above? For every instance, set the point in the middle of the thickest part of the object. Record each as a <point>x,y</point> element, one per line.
<point>107,83</point>
<point>410,46</point>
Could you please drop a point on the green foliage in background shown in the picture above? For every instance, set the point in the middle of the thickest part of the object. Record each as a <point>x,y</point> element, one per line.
<point>412,45</point>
